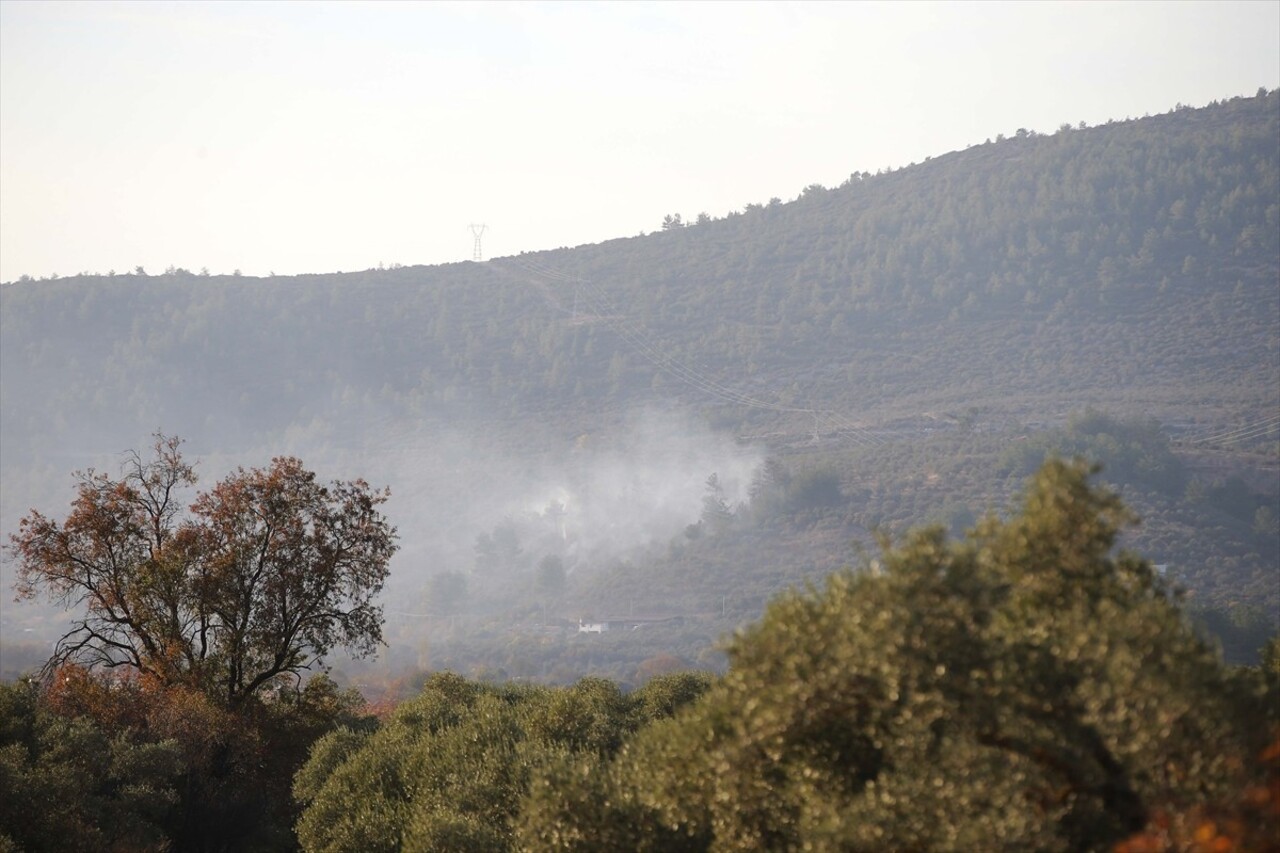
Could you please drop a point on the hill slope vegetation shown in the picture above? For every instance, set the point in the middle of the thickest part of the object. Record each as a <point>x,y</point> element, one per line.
<point>920,338</point>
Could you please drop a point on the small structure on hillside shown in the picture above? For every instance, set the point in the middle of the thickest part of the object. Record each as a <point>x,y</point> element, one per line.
<point>585,627</point>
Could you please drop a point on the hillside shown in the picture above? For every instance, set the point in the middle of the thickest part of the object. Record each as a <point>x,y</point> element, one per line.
<point>906,332</point>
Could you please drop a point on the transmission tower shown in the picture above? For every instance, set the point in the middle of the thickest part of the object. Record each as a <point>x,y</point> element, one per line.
<point>477,231</point>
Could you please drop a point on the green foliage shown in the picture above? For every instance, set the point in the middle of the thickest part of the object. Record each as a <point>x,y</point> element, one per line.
<point>1130,451</point>
<point>1022,689</point>
<point>815,488</point>
<point>451,767</point>
<point>1234,497</point>
<point>663,695</point>
<point>1271,657</point>
<point>572,806</point>
<point>778,491</point>
<point>327,753</point>
<point>65,784</point>
<point>1240,634</point>
<point>452,831</point>
<point>589,717</point>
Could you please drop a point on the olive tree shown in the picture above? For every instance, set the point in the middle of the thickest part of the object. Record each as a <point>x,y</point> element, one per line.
<point>451,768</point>
<point>1024,688</point>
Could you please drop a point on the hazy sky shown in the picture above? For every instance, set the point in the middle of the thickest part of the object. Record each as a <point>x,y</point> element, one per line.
<point>316,137</point>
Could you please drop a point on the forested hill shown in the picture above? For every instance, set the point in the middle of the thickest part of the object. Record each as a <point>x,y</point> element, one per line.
<point>1130,267</point>
<point>1133,264</point>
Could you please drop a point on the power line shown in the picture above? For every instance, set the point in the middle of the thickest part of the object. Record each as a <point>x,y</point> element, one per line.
<point>1232,435</point>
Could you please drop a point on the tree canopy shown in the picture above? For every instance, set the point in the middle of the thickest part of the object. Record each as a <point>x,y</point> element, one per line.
<point>258,579</point>
<point>450,769</point>
<point>1024,688</point>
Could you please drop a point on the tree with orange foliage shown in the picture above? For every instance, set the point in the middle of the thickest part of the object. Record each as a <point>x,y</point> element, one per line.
<point>257,580</point>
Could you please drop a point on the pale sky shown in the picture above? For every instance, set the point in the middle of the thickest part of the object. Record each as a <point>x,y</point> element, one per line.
<point>315,137</point>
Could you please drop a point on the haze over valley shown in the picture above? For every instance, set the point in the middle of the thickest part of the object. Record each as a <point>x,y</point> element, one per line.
<point>901,348</point>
